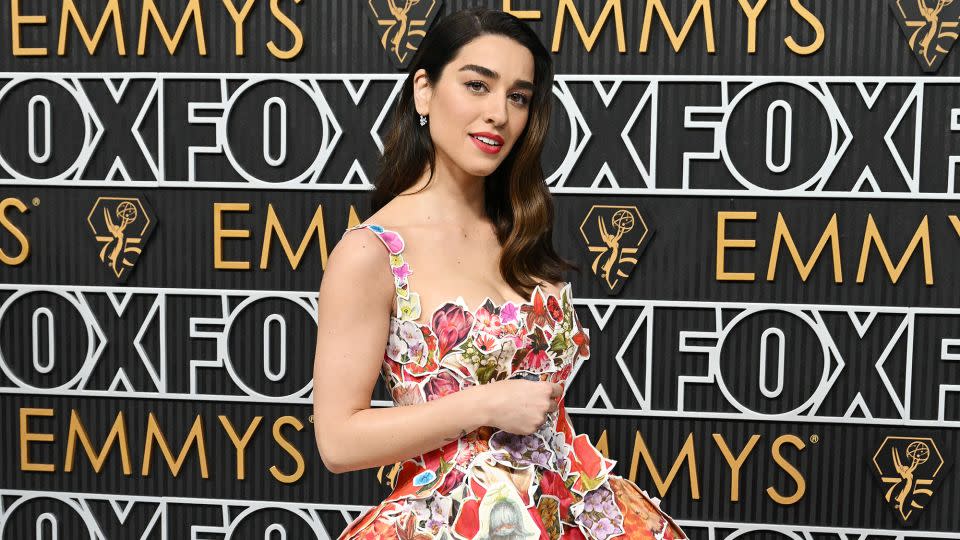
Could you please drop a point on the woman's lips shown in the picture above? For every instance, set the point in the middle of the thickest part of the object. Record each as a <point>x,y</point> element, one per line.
<point>488,148</point>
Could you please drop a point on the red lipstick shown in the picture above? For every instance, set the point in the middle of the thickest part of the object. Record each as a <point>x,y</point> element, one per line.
<point>485,145</point>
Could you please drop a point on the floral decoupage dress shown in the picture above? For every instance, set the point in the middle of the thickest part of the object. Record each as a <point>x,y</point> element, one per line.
<point>491,484</point>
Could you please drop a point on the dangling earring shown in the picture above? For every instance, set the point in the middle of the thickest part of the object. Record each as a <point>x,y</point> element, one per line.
<point>423,120</point>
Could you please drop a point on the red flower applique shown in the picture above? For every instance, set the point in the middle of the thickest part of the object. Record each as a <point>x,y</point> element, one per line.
<point>537,311</point>
<point>553,306</point>
<point>583,343</point>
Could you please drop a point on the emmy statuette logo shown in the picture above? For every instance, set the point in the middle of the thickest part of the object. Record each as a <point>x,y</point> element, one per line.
<point>120,227</point>
<point>402,25</point>
<point>930,27</point>
<point>616,235</point>
<point>908,468</point>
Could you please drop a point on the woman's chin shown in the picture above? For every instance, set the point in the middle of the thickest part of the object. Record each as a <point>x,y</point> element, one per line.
<point>482,170</point>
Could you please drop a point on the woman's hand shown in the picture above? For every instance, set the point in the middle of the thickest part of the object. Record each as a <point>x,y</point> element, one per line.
<point>520,406</point>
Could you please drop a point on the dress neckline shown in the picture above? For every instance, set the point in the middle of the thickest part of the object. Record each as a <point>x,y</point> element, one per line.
<point>408,301</point>
<point>459,300</point>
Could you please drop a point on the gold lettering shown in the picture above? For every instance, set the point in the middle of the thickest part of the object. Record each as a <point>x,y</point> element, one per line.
<point>831,233</point>
<point>5,223</point>
<point>289,25</point>
<point>676,40</point>
<point>26,437</point>
<point>110,12</point>
<point>589,39</point>
<point>273,226</point>
<point>955,222</point>
<point>192,11</point>
<point>219,233</point>
<point>813,21</point>
<point>238,18</point>
<point>117,433</point>
<point>292,450</point>
<point>16,20</point>
<point>723,243</point>
<point>872,235</point>
<point>155,434</point>
<point>789,468</point>
<point>525,15</point>
<point>686,453</point>
<point>603,445</point>
<point>735,463</point>
<point>238,443</point>
<point>752,12</point>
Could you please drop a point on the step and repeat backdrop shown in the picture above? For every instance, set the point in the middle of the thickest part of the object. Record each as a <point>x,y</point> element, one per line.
<point>762,196</point>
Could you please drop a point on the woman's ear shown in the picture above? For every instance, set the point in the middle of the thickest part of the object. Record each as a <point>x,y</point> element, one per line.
<point>422,91</point>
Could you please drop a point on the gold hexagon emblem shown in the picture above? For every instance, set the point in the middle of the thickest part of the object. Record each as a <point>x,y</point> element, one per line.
<point>930,27</point>
<point>907,468</point>
<point>402,25</point>
<point>120,227</point>
<point>616,235</point>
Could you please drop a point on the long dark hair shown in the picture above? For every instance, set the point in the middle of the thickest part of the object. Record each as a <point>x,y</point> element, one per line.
<point>518,201</point>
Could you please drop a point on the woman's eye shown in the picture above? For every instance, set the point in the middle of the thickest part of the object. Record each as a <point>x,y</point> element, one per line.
<point>518,97</point>
<point>523,99</point>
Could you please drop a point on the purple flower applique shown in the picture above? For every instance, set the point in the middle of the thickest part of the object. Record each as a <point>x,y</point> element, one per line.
<point>508,313</point>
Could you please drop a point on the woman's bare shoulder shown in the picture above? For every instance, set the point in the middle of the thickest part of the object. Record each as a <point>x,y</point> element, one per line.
<point>358,268</point>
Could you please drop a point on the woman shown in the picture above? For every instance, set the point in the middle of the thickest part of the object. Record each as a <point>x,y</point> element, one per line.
<point>464,315</point>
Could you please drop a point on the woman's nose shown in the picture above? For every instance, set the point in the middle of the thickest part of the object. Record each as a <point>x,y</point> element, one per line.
<point>497,111</point>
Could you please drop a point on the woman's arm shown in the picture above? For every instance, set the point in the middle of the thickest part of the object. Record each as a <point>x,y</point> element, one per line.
<point>356,295</point>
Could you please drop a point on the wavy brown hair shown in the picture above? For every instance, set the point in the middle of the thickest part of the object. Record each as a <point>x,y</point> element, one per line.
<point>517,199</point>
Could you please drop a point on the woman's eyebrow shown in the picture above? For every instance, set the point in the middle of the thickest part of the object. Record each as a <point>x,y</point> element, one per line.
<point>487,72</point>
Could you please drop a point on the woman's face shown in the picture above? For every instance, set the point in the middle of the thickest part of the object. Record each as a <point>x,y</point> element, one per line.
<point>485,90</point>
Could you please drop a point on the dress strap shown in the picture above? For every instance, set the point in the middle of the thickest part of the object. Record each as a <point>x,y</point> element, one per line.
<point>408,302</point>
